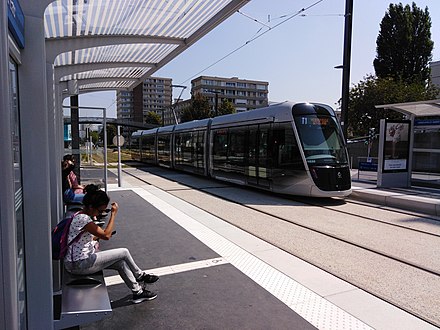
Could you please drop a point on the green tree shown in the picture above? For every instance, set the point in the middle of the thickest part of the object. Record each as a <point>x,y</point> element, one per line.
<point>153,118</point>
<point>111,133</point>
<point>199,109</point>
<point>226,108</point>
<point>374,91</point>
<point>404,45</point>
<point>95,136</point>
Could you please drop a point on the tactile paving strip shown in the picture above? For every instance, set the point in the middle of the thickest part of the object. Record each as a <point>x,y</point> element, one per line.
<point>312,307</point>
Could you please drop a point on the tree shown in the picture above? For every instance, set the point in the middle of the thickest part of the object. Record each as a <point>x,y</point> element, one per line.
<point>226,108</point>
<point>153,118</point>
<point>111,133</point>
<point>404,45</point>
<point>95,136</point>
<point>404,49</point>
<point>199,109</point>
<point>374,91</point>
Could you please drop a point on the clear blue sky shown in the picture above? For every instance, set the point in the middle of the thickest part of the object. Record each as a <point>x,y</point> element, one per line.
<point>297,58</point>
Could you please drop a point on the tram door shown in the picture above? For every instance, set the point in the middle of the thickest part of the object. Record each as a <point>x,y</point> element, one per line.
<point>258,172</point>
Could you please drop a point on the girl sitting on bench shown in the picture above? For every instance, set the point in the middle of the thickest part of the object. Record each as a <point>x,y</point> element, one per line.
<point>84,258</point>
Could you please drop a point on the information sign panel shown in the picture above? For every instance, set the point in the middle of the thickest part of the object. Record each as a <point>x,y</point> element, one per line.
<point>396,147</point>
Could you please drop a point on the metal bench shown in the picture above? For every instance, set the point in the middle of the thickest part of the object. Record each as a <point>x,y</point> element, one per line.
<point>84,299</point>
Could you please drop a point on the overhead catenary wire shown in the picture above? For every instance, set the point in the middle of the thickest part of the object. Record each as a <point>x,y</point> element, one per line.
<point>291,16</point>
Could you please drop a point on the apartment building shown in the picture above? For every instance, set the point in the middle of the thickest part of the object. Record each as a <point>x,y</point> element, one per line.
<point>242,93</point>
<point>124,105</point>
<point>154,94</point>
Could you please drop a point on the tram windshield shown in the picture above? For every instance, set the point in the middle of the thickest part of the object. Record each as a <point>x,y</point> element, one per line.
<point>321,140</point>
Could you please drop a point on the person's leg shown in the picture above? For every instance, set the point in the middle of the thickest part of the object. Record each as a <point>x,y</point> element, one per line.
<point>121,260</point>
<point>118,259</point>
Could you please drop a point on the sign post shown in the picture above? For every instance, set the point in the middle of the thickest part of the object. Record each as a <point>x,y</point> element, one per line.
<point>119,141</point>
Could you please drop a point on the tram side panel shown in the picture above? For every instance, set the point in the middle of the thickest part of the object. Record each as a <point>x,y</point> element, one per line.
<point>261,155</point>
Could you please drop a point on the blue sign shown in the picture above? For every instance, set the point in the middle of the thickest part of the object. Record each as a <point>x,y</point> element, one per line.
<point>16,22</point>
<point>366,166</point>
<point>425,122</point>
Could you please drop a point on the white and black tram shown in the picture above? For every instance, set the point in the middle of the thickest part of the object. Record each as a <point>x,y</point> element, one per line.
<point>288,148</point>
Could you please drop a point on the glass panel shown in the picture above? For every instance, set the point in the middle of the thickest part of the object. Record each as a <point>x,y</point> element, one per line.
<point>164,149</point>
<point>263,146</point>
<point>286,152</point>
<point>252,145</point>
<point>13,96</point>
<point>147,149</point>
<point>236,149</point>
<point>178,154</point>
<point>265,155</point>
<point>321,139</point>
<point>220,148</point>
<point>200,149</point>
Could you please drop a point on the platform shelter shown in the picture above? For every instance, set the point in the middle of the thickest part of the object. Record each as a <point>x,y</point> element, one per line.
<point>51,50</point>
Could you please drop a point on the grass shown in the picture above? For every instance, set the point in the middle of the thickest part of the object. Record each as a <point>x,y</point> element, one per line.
<point>112,156</point>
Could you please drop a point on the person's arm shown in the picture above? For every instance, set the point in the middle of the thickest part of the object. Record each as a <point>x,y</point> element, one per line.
<point>106,233</point>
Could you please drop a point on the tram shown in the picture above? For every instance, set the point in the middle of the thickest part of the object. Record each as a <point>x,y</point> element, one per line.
<point>288,148</point>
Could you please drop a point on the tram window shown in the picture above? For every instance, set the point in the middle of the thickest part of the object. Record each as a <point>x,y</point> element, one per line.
<point>148,147</point>
<point>220,147</point>
<point>187,148</point>
<point>263,146</point>
<point>200,149</point>
<point>163,149</point>
<point>178,148</point>
<point>236,145</point>
<point>286,151</point>
<point>321,139</point>
<point>252,145</point>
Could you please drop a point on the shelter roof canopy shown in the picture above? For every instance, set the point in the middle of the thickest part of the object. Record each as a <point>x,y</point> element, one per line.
<point>128,31</point>
<point>417,109</point>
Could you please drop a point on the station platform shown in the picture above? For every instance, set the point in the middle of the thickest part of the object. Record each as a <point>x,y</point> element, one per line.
<point>216,276</point>
<point>419,198</point>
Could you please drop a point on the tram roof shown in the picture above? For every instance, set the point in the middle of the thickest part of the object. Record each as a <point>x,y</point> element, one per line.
<point>417,109</point>
<point>117,44</point>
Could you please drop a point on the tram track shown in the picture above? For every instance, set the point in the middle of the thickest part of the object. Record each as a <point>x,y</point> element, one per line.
<point>384,254</point>
<point>396,264</point>
<point>428,218</point>
<point>209,189</point>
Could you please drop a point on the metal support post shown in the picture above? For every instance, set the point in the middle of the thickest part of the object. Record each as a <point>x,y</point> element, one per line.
<point>119,156</point>
<point>346,65</point>
<point>105,148</point>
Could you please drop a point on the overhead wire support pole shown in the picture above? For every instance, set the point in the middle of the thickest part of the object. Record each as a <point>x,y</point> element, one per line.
<point>346,66</point>
<point>173,106</point>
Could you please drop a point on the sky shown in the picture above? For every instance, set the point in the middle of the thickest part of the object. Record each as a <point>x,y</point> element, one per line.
<point>297,57</point>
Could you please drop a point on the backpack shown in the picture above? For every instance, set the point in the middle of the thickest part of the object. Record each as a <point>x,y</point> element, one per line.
<point>60,235</point>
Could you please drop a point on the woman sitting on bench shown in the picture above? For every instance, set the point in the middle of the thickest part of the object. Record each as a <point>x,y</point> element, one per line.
<point>72,191</point>
<point>84,258</point>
